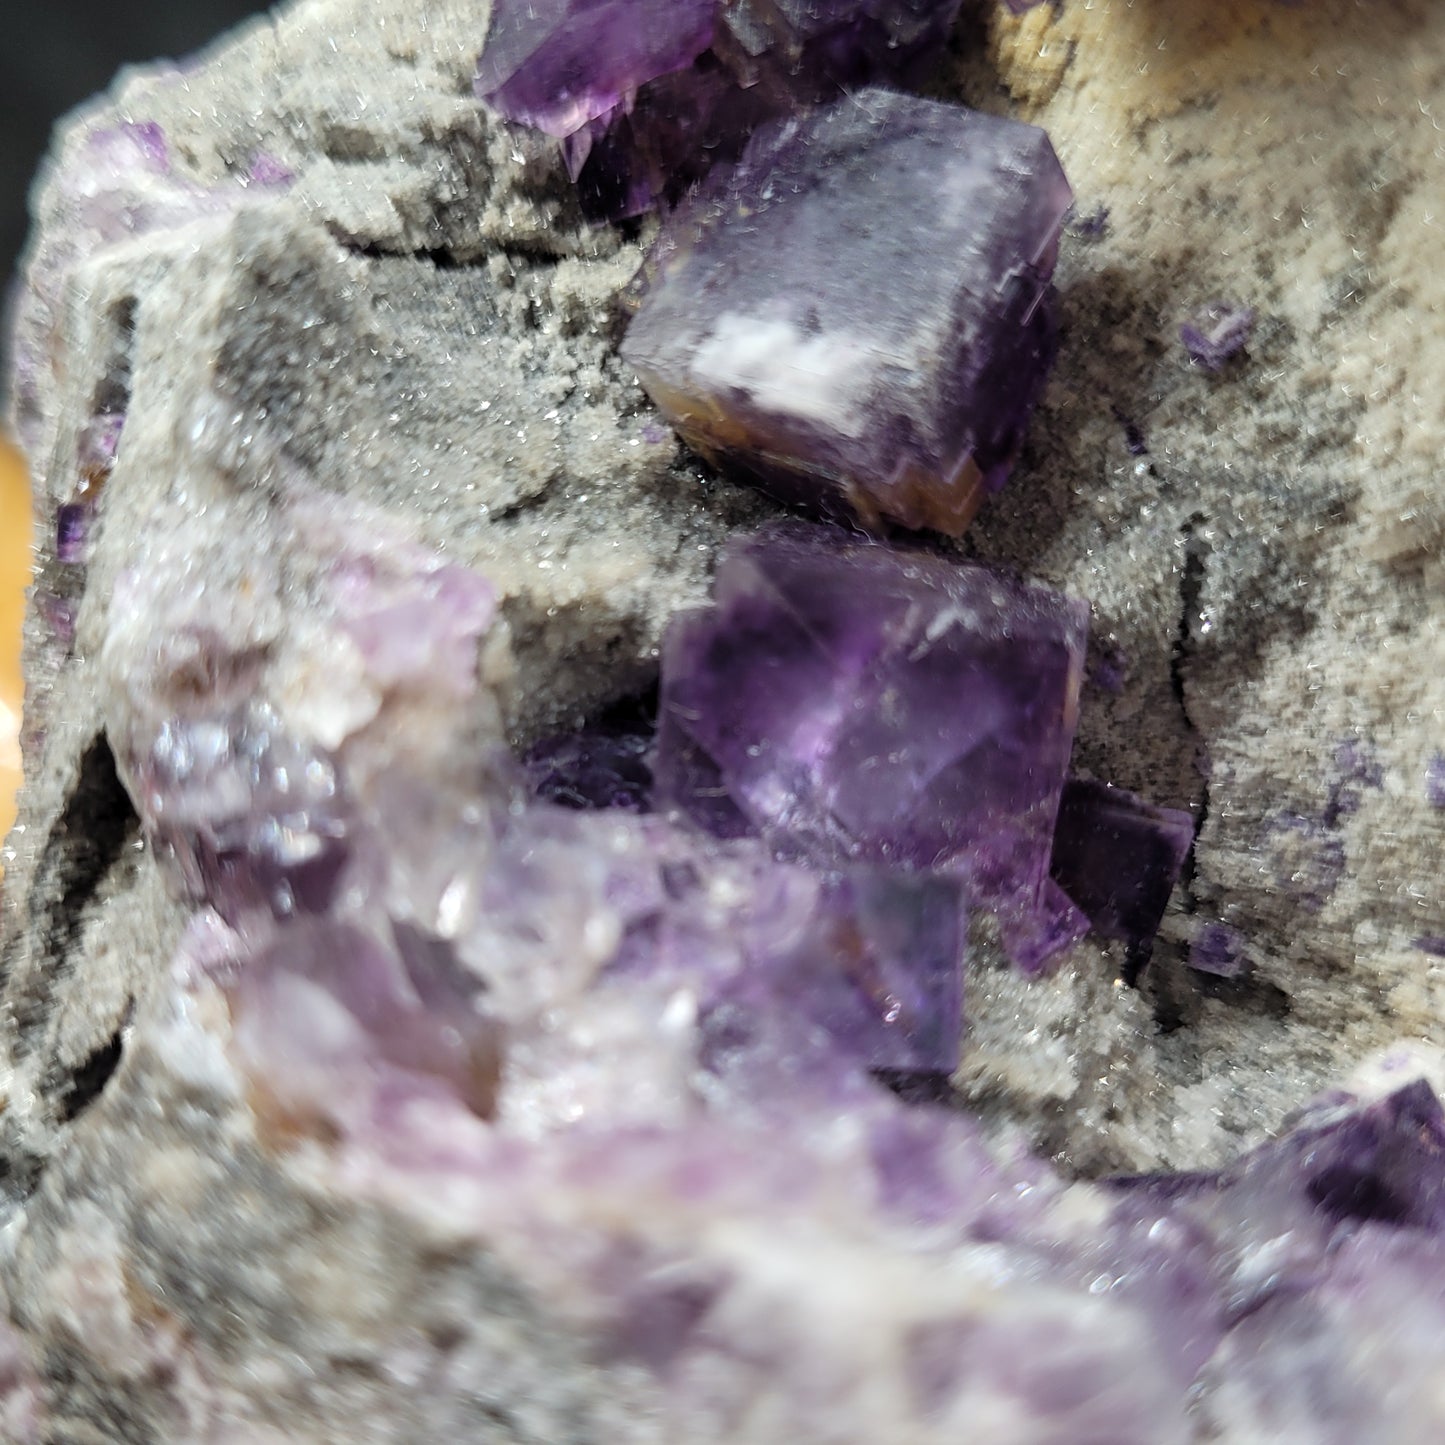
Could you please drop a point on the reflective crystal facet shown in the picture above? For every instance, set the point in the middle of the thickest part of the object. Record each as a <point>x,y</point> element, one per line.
<point>858,317</point>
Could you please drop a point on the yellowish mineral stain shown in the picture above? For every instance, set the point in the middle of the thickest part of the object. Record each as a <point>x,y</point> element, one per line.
<point>14,579</point>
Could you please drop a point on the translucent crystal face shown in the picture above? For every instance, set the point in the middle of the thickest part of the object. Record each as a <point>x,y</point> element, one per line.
<point>882,361</point>
<point>849,702</point>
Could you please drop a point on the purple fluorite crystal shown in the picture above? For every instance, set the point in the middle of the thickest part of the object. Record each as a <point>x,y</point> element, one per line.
<point>72,531</point>
<point>602,765</point>
<point>876,979</point>
<point>1216,332</point>
<point>558,64</point>
<point>647,94</point>
<point>1218,949</point>
<point>858,316</point>
<point>851,702</point>
<point>1118,857</point>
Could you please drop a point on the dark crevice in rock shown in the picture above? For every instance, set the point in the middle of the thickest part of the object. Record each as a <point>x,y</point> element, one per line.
<point>439,256</point>
<point>112,390</point>
<point>86,841</point>
<point>444,258</point>
<point>89,1080</point>
<point>1191,591</point>
<point>1169,1013</point>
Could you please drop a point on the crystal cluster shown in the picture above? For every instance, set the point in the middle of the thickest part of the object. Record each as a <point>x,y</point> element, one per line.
<point>638,1063</point>
<point>857,317</point>
<point>645,94</point>
<point>849,702</point>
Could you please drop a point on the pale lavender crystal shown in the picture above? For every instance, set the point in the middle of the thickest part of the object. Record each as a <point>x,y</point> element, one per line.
<point>1118,857</point>
<point>876,980</point>
<point>881,371</point>
<point>1216,332</point>
<point>1218,949</point>
<point>1435,780</point>
<point>851,702</point>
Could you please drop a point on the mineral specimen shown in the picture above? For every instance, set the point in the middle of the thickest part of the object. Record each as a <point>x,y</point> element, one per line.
<point>858,316</point>
<point>1118,857</point>
<point>647,94</point>
<point>851,702</point>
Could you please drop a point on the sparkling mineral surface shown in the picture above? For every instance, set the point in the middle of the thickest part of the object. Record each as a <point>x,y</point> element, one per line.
<point>857,317</point>
<point>852,702</point>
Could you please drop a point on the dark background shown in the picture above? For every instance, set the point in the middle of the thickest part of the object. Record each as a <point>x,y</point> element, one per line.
<point>53,55</point>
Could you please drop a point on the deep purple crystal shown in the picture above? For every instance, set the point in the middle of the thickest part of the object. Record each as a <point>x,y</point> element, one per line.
<point>558,64</point>
<point>647,94</point>
<point>598,767</point>
<point>1118,857</point>
<point>852,702</point>
<point>1216,332</point>
<point>72,531</point>
<point>893,380</point>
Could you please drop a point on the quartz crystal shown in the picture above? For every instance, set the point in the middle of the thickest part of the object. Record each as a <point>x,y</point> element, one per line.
<point>1118,857</point>
<point>646,94</point>
<point>851,702</point>
<point>857,318</point>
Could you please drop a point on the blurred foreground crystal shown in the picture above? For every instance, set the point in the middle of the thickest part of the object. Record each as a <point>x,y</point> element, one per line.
<point>858,316</point>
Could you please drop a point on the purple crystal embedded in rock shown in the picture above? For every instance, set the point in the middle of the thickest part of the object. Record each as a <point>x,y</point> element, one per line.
<point>1435,780</point>
<point>1218,949</point>
<point>602,765</point>
<point>1216,332</point>
<point>558,64</point>
<point>883,361</point>
<point>72,531</point>
<point>852,702</point>
<point>1118,857</point>
<point>878,971</point>
<point>647,94</point>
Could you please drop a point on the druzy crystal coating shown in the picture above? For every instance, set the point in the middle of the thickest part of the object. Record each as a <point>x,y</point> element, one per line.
<point>850,702</point>
<point>857,317</point>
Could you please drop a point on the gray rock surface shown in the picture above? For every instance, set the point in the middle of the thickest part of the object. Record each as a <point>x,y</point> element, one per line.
<point>421,324</point>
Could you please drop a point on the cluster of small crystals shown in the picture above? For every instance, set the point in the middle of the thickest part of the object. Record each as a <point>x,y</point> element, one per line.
<point>637,1060</point>
<point>644,94</point>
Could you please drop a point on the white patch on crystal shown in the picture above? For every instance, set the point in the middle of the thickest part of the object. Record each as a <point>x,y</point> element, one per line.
<point>823,378</point>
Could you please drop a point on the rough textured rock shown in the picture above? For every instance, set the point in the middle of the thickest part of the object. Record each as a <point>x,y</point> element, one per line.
<point>354,277</point>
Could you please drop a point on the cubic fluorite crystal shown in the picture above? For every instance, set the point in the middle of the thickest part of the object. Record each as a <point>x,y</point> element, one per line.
<point>647,94</point>
<point>857,317</point>
<point>851,702</point>
<point>1118,857</point>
